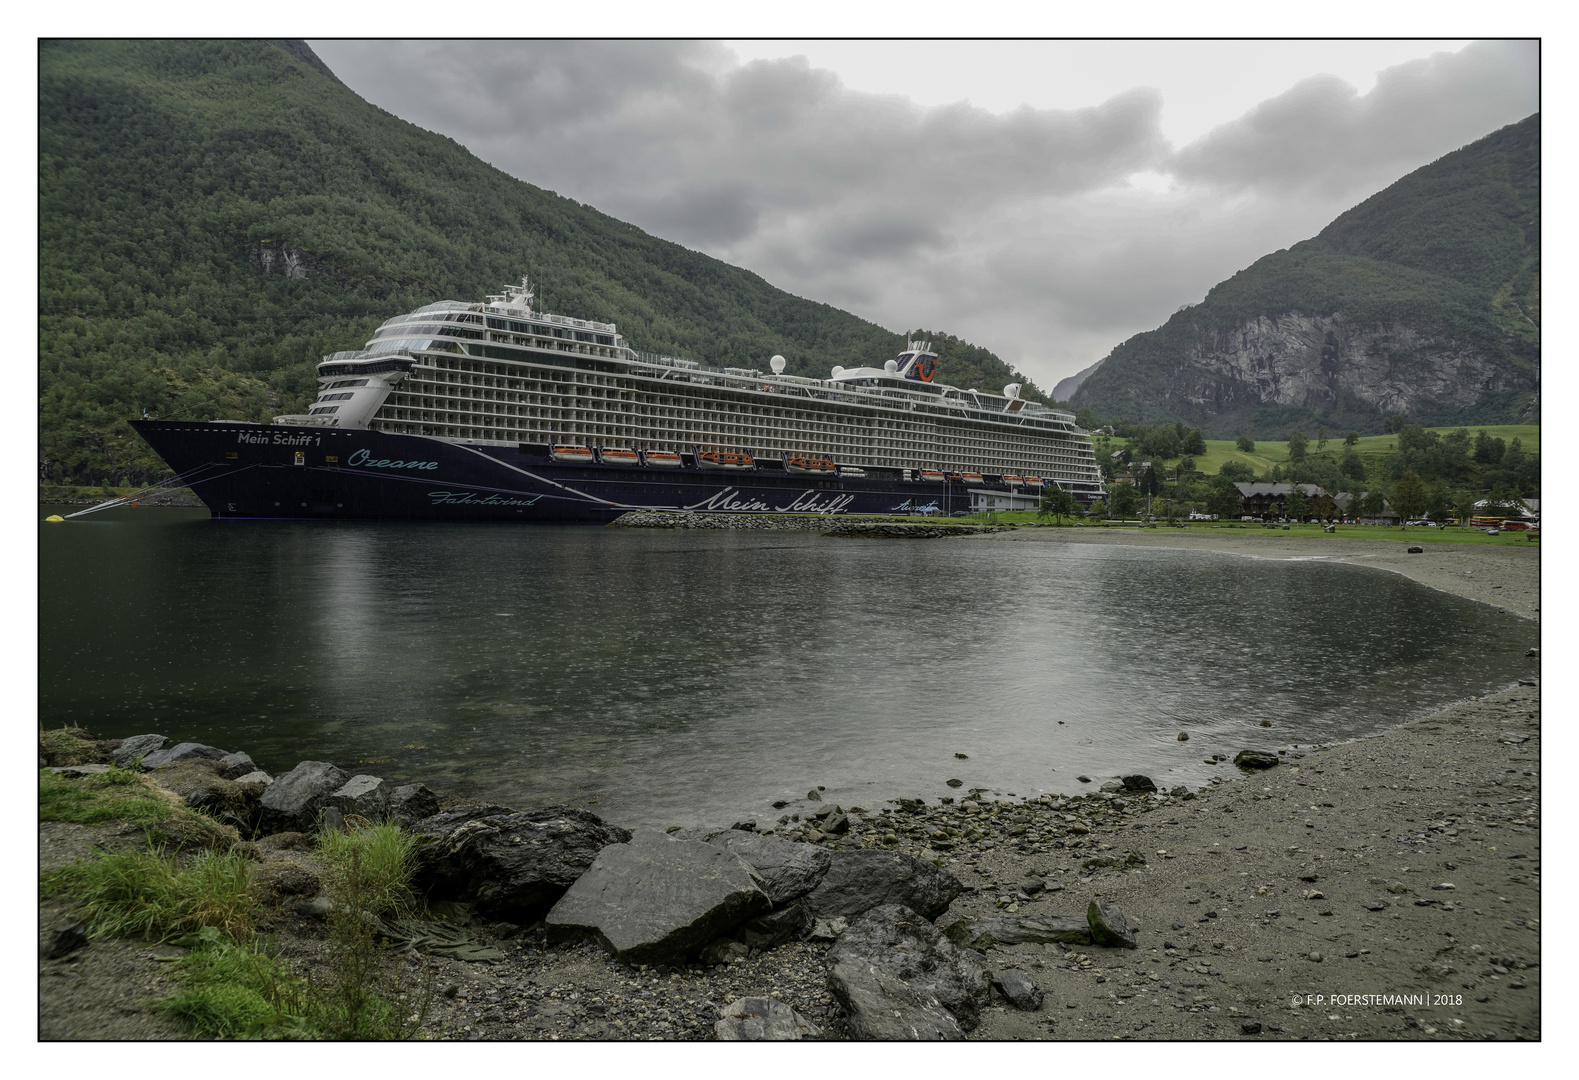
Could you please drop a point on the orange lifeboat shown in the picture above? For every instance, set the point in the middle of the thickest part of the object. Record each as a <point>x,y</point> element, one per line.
<point>933,475</point>
<point>1012,480</point>
<point>970,478</point>
<point>810,466</point>
<point>1032,481</point>
<point>724,459</point>
<point>573,455</point>
<point>620,456</point>
<point>663,459</point>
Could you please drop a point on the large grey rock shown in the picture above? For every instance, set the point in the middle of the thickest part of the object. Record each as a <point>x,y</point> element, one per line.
<point>1018,990</point>
<point>1255,759</point>
<point>899,978</point>
<point>513,864</point>
<point>258,777</point>
<point>186,751</point>
<point>763,1020</point>
<point>1138,782</point>
<point>292,802</point>
<point>788,869</point>
<point>236,765</point>
<point>858,881</point>
<point>657,900</point>
<point>364,795</point>
<point>1108,926</point>
<point>991,930</point>
<point>412,803</point>
<point>138,746</point>
<point>77,772</point>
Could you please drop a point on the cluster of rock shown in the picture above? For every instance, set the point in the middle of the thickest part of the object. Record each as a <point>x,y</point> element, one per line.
<point>658,519</point>
<point>906,530</point>
<point>900,965</point>
<point>231,787</point>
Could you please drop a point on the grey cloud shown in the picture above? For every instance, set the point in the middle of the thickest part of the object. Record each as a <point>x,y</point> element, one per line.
<point>1323,134</point>
<point>1017,231</point>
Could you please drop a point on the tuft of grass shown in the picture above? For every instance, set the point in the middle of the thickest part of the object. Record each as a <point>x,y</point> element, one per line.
<point>148,894</point>
<point>237,990</point>
<point>367,872</point>
<point>372,865</point>
<point>115,795</point>
<point>66,746</point>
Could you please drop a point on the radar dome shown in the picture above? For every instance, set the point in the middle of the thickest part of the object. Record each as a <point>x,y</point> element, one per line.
<point>891,365</point>
<point>1012,391</point>
<point>837,371</point>
<point>777,364</point>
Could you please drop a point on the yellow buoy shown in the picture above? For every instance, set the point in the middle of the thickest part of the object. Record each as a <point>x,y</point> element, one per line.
<point>54,517</point>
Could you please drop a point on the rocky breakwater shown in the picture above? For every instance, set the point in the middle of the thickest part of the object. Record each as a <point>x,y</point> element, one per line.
<point>909,530</point>
<point>915,530</point>
<point>658,519</point>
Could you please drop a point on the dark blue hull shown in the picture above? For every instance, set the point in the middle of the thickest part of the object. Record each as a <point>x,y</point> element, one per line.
<point>269,471</point>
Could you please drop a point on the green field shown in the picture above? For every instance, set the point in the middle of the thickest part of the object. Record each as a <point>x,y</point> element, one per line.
<point>1371,448</point>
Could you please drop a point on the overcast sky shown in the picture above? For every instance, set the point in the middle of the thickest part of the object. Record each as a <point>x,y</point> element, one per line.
<point>1045,200</point>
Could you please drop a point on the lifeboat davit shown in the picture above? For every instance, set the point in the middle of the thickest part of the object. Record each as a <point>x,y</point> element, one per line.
<point>724,459</point>
<point>663,459</point>
<point>620,457</point>
<point>810,466</point>
<point>573,455</point>
<point>933,475</point>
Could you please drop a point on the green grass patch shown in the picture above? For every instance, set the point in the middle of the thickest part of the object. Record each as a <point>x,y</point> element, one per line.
<point>371,866</point>
<point>1371,448</point>
<point>115,795</point>
<point>367,873</point>
<point>149,894</point>
<point>66,746</point>
<point>237,990</point>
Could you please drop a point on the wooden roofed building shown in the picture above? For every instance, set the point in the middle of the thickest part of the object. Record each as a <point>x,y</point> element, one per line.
<point>1271,500</point>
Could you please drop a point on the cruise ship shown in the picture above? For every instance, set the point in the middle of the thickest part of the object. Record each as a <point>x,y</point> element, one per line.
<point>497,411</point>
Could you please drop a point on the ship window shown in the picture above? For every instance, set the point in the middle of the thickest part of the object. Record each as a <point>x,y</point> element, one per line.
<point>323,411</point>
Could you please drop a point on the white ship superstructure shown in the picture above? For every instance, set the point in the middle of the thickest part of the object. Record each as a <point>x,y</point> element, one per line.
<point>502,372</point>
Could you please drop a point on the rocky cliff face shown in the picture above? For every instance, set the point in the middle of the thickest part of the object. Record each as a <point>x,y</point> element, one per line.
<point>1321,363</point>
<point>1424,301</point>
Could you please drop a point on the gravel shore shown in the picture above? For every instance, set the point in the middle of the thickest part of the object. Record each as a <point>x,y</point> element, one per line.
<point>1383,889</point>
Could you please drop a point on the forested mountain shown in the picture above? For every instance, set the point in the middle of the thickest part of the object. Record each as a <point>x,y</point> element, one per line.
<point>217,216</point>
<point>1423,301</point>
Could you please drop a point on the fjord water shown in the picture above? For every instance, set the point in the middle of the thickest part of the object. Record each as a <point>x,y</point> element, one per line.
<point>694,677</point>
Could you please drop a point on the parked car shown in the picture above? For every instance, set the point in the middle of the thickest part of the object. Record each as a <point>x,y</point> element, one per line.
<point>1422,521</point>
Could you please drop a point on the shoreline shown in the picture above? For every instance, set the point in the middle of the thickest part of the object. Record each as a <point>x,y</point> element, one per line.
<point>1375,870</point>
<point>1507,578</point>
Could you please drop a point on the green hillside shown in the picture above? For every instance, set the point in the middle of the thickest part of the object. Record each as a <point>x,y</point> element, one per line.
<point>1432,283</point>
<point>217,216</point>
